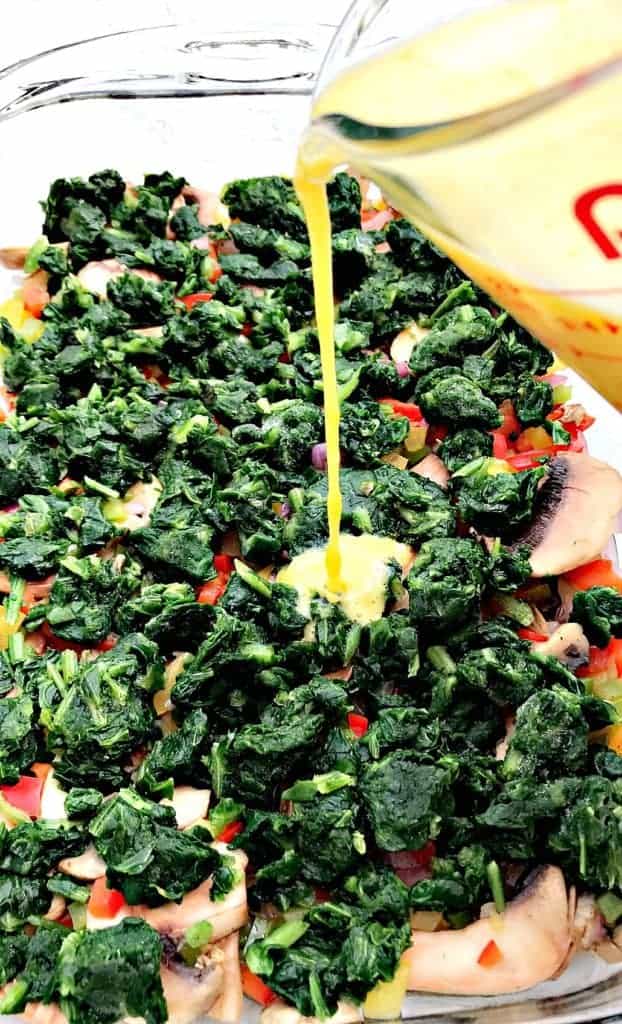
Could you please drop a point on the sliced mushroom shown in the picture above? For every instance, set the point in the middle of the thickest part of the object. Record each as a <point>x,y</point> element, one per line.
<point>162,698</point>
<point>568,644</point>
<point>566,593</point>
<point>96,275</point>
<point>228,1005</point>
<point>87,867</point>
<point>13,258</point>
<point>225,915</point>
<point>44,1013</point>
<point>189,804</point>
<point>588,924</point>
<point>501,748</point>
<point>403,343</point>
<point>190,992</point>
<point>578,505</point>
<point>532,935</point>
<point>432,468</point>
<point>280,1013</point>
<point>211,210</point>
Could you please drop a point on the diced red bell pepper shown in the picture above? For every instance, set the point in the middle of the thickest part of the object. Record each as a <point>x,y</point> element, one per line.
<point>230,831</point>
<point>247,330</point>
<point>577,440</point>
<point>284,357</point>
<point>413,858</point>
<point>599,573</point>
<point>212,591</point>
<point>499,445</point>
<point>255,988</point>
<point>532,634</point>
<point>25,795</point>
<point>190,301</point>
<point>615,647</point>
<point>104,902</point>
<point>358,724</point>
<point>529,460</point>
<point>490,955</point>
<point>223,563</point>
<point>413,865</point>
<point>66,921</point>
<point>321,895</point>
<point>411,411</point>
<point>601,658</point>
<point>510,424</point>
<point>151,371</point>
<point>437,433</point>
<point>107,643</point>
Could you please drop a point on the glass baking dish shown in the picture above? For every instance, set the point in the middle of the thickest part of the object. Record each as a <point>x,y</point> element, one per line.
<point>219,101</point>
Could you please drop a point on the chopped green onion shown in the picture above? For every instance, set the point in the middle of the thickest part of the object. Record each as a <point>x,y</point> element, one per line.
<point>98,488</point>
<point>31,263</point>
<point>16,648</point>
<point>13,602</point>
<point>495,882</point>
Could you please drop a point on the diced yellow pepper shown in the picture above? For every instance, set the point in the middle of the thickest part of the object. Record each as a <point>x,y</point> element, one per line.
<point>395,459</point>
<point>7,629</point>
<point>496,466</point>
<point>534,438</point>
<point>14,311</point>
<point>614,738</point>
<point>384,1002</point>
<point>415,439</point>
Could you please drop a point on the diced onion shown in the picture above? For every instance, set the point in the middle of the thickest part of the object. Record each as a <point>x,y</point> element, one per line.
<point>318,455</point>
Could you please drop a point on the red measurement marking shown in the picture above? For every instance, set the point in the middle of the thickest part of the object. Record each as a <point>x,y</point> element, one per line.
<point>584,212</point>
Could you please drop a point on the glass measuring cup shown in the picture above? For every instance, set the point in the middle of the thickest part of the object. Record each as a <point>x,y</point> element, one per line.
<point>494,126</point>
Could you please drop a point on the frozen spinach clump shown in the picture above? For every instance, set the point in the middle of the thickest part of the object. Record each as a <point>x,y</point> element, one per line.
<point>112,973</point>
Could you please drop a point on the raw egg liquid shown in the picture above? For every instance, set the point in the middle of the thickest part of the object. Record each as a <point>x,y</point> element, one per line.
<point>314,202</point>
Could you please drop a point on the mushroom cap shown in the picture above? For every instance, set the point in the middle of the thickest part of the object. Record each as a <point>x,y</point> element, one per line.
<point>533,936</point>
<point>568,643</point>
<point>228,1005</point>
<point>576,513</point>
<point>432,468</point>
<point>190,991</point>
<point>87,866</point>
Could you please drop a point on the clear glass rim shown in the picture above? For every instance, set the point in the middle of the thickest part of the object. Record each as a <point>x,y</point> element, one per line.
<point>169,61</point>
